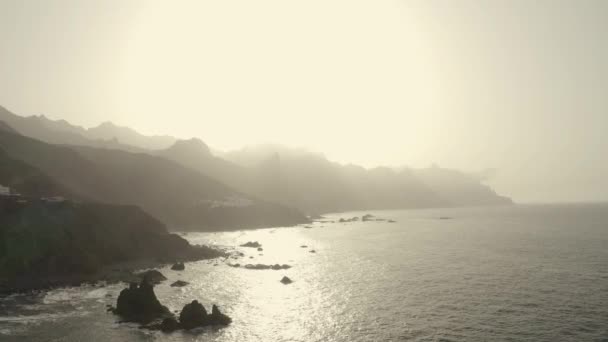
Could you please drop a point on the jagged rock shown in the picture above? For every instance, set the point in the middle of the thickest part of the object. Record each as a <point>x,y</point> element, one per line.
<point>193,315</point>
<point>138,303</point>
<point>286,280</point>
<point>153,277</point>
<point>178,266</point>
<point>252,244</point>
<point>180,283</point>
<point>218,318</point>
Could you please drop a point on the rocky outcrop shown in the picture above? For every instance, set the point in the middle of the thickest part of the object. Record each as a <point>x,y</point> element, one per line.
<point>194,315</point>
<point>153,277</point>
<point>169,324</point>
<point>275,267</point>
<point>138,303</point>
<point>180,283</point>
<point>178,266</point>
<point>285,280</point>
<point>367,217</point>
<point>71,242</point>
<point>252,244</point>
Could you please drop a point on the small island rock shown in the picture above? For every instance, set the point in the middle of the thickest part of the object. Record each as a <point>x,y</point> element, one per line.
<point>138,303</point>
<point>180,283</point>
<point>178,266</point>
<point>252,244</point>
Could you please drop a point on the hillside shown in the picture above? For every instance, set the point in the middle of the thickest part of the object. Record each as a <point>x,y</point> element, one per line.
<point>51,244</point>
<point>181,197</point>
<point>311,183</point>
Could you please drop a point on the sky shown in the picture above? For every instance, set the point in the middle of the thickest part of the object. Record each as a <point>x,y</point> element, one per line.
<point>517,86</point>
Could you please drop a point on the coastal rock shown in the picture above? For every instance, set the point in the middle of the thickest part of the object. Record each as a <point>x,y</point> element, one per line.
<point>303,246</point>
<point>138,303</point>
<point>180,283</point>
<point>367,217</point>
<point>252,244</point>
<point>153,277</point>
<point>260,249</point>
<point>286,280</point>
<point>193,315</point>
<point>169,324</point>
<point>352,219</point>
<point>218,318</point>
<point>178,266</point>
<point>312,251</point>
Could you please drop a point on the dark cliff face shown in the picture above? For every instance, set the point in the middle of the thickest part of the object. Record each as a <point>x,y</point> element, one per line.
<point>39,238</point>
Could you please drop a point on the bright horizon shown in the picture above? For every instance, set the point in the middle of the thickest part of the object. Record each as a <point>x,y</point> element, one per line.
<point>514,86</point>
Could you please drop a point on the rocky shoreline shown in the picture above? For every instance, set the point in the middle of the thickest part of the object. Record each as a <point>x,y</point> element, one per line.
<point>125,272</point>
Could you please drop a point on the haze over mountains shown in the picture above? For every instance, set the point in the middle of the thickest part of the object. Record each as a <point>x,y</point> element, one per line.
<point>183,183</point>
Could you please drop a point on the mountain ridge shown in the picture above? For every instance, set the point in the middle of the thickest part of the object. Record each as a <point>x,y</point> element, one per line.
<point>304,180</point>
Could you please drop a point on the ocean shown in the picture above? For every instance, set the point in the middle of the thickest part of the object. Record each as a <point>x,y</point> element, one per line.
<point>512,273</point>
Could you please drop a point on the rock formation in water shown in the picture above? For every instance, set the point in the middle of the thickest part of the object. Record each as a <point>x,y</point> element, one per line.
<point>252,244</point>
<point>138,303</point>
<point>179,283</point>
<point>178,266</point>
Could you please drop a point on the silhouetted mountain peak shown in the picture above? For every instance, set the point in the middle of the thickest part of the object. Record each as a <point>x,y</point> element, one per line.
<point>108,131</point>
<point>192,147</point>
<point>108,127</point>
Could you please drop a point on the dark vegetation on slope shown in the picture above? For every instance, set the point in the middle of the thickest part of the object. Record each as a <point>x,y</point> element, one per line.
<point>47,244</point>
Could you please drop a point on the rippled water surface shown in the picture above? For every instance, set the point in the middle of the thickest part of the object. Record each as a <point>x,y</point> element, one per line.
<point>521,273</point>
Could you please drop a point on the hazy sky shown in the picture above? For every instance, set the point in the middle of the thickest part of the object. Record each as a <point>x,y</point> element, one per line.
<point>521,86</point>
